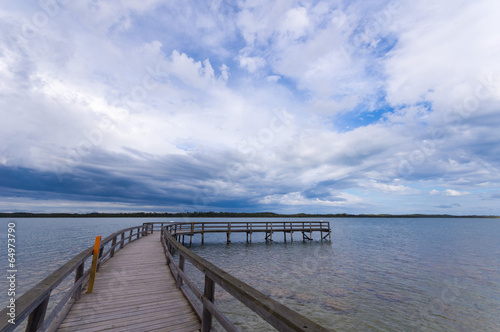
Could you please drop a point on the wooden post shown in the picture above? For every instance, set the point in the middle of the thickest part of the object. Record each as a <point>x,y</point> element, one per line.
<point>178,282</point>
<point>251,233</point>
<point>228,232</point>
<point>93,268</point>
<point>113,244</point>
<point>291,233</point>
<point>203,233</point>
<point>101,251</point>
<point>247,231</point>
<point>206,319</point>
<point>284,232</point>
<point>122,240</point>
<point>138,232</point>
<point>130,236</point>
<point>78,274</point>
<point>192,233</point>
<point>35,319</point>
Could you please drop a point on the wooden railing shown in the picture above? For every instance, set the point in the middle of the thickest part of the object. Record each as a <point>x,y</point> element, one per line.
<point>279,316</point>
<point>177,229</point>
<point>34,303</point>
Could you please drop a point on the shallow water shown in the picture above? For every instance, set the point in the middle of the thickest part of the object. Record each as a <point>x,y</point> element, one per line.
<point>375,275</point>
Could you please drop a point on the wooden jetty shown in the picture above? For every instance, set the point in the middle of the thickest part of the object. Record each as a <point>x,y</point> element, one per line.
<point>306,228</point>
<point>137,279</point>
<point>135,291</point>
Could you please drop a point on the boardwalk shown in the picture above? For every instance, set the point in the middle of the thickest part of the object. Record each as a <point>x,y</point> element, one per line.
<point>133,291</point>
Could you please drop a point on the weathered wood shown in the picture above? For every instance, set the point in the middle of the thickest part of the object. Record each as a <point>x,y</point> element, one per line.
<point>202,233</point>
<point>113,244</point>
<point>276,314</point>
<point>226,323</point>
<point>35,320</point>
<point>60,311</point>
<point>31,300</point>
<point>78,275</point>
<point>181,267</point>
<point>122,240</point>
<point>208,295</point>
<point>134,291</point>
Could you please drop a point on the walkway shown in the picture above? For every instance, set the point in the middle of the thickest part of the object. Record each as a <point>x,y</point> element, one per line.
<point>133,291</point>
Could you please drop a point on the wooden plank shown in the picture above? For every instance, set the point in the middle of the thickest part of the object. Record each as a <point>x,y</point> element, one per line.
<point>134,291</point>
<point>275,313</point>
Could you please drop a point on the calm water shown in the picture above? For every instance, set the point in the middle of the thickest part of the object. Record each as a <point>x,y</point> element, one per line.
<point>375,275</point>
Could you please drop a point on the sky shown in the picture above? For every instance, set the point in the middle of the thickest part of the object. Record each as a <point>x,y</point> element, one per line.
<point>246,106</point>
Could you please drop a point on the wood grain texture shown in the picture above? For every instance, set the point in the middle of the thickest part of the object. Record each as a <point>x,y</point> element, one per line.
<point>133,291</point>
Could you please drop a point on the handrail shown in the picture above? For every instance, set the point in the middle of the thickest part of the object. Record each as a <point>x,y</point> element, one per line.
<point>181,229</point>
<point>210,226</point>
<point>236,225</point>
<point>276,314</point>
<point>33,304</point>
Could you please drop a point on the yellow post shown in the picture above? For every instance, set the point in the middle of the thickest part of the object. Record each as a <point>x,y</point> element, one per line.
<point>93,268</point>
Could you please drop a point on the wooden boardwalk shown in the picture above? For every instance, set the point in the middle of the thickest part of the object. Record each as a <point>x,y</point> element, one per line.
<point>133,291</point>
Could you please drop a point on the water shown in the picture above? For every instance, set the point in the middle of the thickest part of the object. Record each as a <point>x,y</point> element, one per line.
<point>375,275</point>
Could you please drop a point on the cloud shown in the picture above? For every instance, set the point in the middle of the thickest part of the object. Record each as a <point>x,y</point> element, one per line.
<point>252,64</point>
<point>282,106</point>
<point>448,192</point>
<point>392,188</point>
<point>296,198</point>
<point>451,206</point>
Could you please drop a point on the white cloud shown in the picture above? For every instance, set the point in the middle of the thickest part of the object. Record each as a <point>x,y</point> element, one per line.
<point>443,49</point>
<point>252,64</point>
<point>391,188</point>
<point>295,23</point>
<point>448,192</point>
<point>201,84</point>
<point>296,198</point>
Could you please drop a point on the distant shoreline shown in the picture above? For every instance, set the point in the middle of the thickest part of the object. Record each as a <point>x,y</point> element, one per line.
<point>227,215</point>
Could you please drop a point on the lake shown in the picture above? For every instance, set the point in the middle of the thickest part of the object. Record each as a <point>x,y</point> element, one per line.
<point>377,274</point>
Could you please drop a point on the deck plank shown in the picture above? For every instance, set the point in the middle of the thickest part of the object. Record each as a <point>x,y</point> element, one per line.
<point>133,291</point>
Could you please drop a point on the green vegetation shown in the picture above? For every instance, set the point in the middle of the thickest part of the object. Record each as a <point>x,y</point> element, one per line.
<point>212,214</point>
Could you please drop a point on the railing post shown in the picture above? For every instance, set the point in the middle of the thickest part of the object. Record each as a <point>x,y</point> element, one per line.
<point>122,241</point>
<point>138,232</point>
<point>206,318</point>
<point>113,244</point>
<point>181,267</point>
<point>267,235</point>
<point>101,251</point>
<point>284,232</point>
<point>35,319</point>
<point>271,234</point>
<point>78,274</point>
<point>203,233</point>
<point>95,266</point>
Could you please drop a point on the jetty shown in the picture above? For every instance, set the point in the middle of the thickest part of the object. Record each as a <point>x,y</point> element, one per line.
<point>138,283</point>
